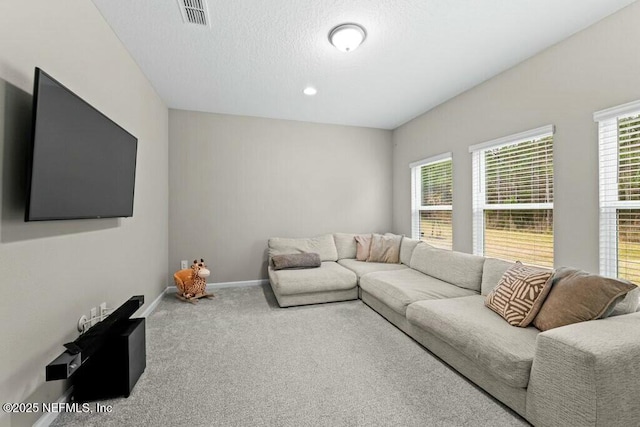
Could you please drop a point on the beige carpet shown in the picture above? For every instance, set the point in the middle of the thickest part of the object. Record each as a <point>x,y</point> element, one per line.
<point>239,360</point>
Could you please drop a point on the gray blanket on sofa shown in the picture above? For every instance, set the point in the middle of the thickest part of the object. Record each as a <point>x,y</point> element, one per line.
<point>303,260</point>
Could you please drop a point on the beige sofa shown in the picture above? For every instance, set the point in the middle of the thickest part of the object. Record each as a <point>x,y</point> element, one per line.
<point>585,374</point>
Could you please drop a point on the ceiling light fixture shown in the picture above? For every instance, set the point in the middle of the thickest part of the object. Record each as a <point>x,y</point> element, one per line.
<point>347,37</point>
<point>310,91</point>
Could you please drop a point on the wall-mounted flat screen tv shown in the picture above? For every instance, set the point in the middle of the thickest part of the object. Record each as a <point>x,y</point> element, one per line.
<point>82,164</point>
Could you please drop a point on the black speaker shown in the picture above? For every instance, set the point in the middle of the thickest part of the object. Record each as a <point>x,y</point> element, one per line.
<point>113,370</point>
<point>136,354</point>
<point>63,366</point>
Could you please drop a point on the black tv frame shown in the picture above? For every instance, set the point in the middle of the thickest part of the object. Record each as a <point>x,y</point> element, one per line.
<point>36,84</point>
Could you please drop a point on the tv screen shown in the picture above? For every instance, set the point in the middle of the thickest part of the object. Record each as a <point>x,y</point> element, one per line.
<point>82,163</point>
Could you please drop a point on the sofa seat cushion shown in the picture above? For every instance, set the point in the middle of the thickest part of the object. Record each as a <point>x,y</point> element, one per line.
<point>483,336</point>
<point>362,267</point>
<point>328,277</point>
<point>399,288</point>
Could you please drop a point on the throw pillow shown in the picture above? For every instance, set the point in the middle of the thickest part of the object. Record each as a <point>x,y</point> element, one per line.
<point>520,294</point>
<point>304,260</point>
<point>577,296</point>
<point>363,246</point>
<point>385,248</point>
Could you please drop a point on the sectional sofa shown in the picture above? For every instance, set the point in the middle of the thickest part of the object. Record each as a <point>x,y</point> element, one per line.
<point>585,374</point>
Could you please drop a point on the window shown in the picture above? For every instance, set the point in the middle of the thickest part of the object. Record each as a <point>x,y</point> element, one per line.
<point>513,197</point>
<point>431,189</point>
<point>619,142</point>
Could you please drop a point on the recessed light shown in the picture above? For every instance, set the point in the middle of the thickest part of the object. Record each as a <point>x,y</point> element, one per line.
<point>347,37</point>
<point>310,91</point>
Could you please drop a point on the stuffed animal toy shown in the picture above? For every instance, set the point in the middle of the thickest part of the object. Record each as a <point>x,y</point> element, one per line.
<point>192,283</point>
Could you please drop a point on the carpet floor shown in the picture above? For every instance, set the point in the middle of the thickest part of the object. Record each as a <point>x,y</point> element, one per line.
<point>239,360</point>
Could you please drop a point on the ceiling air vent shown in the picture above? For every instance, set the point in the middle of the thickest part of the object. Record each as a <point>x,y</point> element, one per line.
<point>194,12</point>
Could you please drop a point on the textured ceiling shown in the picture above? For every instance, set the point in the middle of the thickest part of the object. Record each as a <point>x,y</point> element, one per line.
<point>257,56</point>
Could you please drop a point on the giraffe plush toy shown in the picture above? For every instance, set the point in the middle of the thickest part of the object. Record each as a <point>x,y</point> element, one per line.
<point>192,283</point>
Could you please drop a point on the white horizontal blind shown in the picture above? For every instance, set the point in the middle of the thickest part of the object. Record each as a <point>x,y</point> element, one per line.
<point>619,144</point>
<point>432,192</point>
<point>513,198</point>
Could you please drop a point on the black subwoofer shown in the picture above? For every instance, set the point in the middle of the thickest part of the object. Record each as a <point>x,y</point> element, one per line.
<point>114,369</point>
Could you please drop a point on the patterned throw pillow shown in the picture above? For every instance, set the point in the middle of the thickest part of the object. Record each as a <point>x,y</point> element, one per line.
<point>520,294</point>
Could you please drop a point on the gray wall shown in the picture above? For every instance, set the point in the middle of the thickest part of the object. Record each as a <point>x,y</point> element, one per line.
<point>236,181</point>
<point>52,272</point>
<point>595,69</point>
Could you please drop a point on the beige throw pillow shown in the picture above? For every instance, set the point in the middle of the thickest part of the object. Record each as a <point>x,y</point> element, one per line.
<point>363,247</point>
<point>577,296</point>
<point>520,294</point>
<point>385,248</point>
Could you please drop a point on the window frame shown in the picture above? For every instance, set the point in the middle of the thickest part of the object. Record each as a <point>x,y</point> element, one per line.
<point>609,201</point>
<point>479,203</point>
<point>416,193</point>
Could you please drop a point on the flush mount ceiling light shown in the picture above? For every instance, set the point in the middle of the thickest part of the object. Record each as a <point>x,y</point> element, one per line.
<point>310,91</point>
<point>347,37</point>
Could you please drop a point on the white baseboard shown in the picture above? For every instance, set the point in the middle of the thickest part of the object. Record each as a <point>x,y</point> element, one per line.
<point>214,286</point>
<point>49,417</point>
<point>147,311</point>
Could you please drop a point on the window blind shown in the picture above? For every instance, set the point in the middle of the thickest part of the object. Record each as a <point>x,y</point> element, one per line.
<point>619,156</point>
<point>432,192</point>
<point>513,197</point>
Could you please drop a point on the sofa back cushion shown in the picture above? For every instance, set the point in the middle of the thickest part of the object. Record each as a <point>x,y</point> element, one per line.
<point>457,268</point>
<point>323,245</point>
<point>492,273</point>
<point>345,245</point>
<point>630,303</point>
<point>406,249</point>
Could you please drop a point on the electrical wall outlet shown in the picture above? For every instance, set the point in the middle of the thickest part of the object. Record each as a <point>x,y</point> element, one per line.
<point>93,316</point>
<point>103,311</point>
<point>184,264</point>
<point>82,323</point>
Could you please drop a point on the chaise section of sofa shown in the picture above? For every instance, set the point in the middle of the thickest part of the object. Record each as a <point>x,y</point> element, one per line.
<point>327,283</point>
